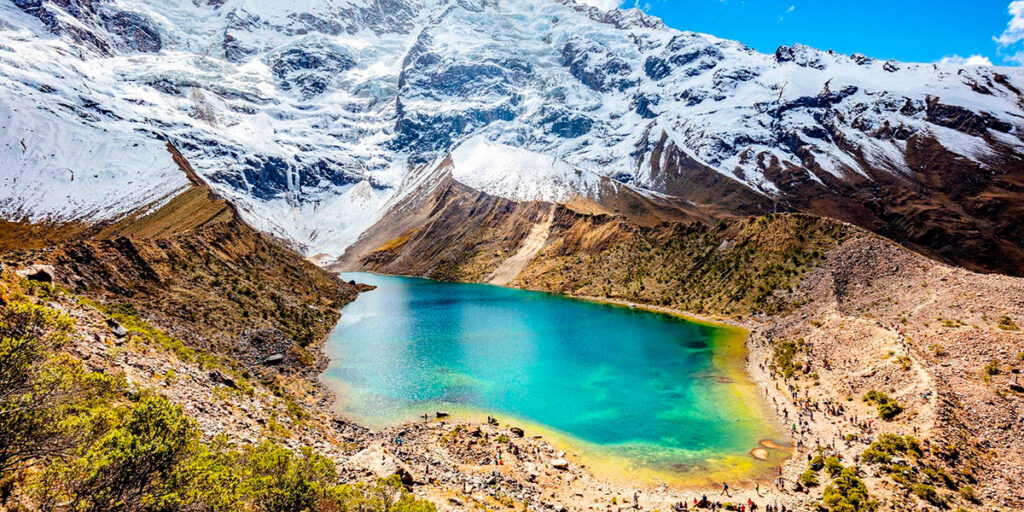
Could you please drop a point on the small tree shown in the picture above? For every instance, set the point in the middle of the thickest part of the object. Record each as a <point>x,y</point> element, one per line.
<point>848,494</point>
<point>133,466</point>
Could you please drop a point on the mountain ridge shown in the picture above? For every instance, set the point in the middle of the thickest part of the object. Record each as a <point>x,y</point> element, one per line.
<point>311,116</point>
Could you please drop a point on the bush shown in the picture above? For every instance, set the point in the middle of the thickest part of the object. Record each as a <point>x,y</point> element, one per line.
<point>817,463</point>
<point>41,394</point>
<point>927,493</point>
<point>133,466</point>
<point>1007,324</point>
<point>967,493</point>
<point>992,368</point>
<point>848,494</point>
<point>782,362</point>
<point>833,467</point>
<point>888,445</point>
<point>887,407</point>
<point>809,478</point>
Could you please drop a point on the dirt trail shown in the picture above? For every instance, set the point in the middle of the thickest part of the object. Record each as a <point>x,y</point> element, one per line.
<point>510,268</point>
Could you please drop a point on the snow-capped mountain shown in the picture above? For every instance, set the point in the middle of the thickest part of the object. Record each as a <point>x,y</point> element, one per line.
<point>310,115</point>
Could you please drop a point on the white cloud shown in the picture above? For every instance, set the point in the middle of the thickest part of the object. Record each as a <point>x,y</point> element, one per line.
<point>1014,32</point>
<point>601,4</point>
<point>782,17</point>
<point>973,60</point>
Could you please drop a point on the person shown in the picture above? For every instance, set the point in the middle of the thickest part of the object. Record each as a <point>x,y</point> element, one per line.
<point>757,488</point>
<point>636,500</point>
<point>725,488</point>
<point>398,440</point>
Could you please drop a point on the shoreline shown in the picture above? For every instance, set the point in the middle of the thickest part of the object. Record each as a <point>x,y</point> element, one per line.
<point>727,353</point>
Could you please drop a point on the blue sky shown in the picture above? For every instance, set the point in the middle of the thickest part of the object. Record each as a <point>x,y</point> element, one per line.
<point>907,30</point>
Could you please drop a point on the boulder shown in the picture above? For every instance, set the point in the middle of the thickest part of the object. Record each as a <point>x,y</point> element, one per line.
<point>560,464</point>
<point>219,378</point>
<point>40,273</point>
<point>442,414</point>
<point>516,431</point>
<point>116,328</point>
<point>273,360</point>
<point>382,463</point>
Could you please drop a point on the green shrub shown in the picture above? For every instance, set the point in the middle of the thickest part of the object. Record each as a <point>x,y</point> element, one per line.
<point>1007,324</point>
<point>967,493</point>
<point>833,467</point>
<point>927,493</point>
<point>848,494</point>
<point>939,476</point>
<point>992,368</point>
<point>809,478</point>
<point>782,361</point>
<point>817,463</point>
<point>887,407</point>
<point>43,396</point>
<point>887,445</point>
<point>133,466</point>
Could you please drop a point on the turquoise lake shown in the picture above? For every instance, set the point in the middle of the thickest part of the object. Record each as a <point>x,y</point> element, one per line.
<point>630,389</point>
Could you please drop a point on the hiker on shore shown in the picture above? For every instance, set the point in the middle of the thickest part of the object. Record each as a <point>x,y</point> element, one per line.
<point>725,488</point>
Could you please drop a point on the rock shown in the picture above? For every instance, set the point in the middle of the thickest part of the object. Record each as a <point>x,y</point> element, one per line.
<point>442,414</point>
<point>455,501</point>
<point>273,360</point>
<point>117,329</point>
<point>40,273</point>
<point>219,378</point>
<point>383,464</point>
<point>518,432</point>
<point>560,464</point>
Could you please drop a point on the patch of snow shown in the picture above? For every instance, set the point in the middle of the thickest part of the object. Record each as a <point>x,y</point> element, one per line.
<point>519,174</point>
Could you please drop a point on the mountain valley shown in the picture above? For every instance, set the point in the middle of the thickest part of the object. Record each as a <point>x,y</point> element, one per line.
<point>182,180</point>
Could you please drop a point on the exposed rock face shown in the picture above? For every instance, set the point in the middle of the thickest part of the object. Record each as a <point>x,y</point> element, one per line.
<point>40,273</point>
<point>382,463</point>
<point>194,266</point>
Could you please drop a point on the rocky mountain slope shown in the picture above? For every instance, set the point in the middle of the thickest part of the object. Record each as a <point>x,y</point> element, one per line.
<point>835,314</point>
<point>314,116</point>
<point>194,267</point>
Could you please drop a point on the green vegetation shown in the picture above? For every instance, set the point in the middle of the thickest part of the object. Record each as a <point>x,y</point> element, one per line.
<point>72,439</point>
<point>1007,324</point>
<point>847,493</point>
<point>809,478</point>
<point>903,459</point>
<point>751,266</point>
<point>783,354</point>
<point>833,467</point>
<point>992,367</point>
<point>967,493</point>
<point>927,493</point>
<point>887,407</point>
<point>890,445</point>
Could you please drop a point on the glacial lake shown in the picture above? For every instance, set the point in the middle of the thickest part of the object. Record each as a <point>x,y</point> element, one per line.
<point>632,393</point>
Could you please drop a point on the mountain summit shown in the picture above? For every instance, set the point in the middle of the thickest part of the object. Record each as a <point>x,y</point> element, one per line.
<point>317,116</point>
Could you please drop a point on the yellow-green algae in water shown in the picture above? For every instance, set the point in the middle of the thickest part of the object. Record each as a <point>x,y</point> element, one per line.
<point>639,396</point>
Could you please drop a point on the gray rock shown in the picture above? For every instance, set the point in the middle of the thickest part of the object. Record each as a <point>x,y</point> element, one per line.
<point>117,329</point>
<point>40,273</point>
<point>219,378</point>
<point>273,360</point>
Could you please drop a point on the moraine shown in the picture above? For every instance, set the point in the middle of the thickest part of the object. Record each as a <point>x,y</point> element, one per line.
<point>628,390</point>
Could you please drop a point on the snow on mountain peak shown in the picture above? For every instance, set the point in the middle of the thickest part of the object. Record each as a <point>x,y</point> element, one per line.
<point>309,113</point>
<point>519,174</point>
